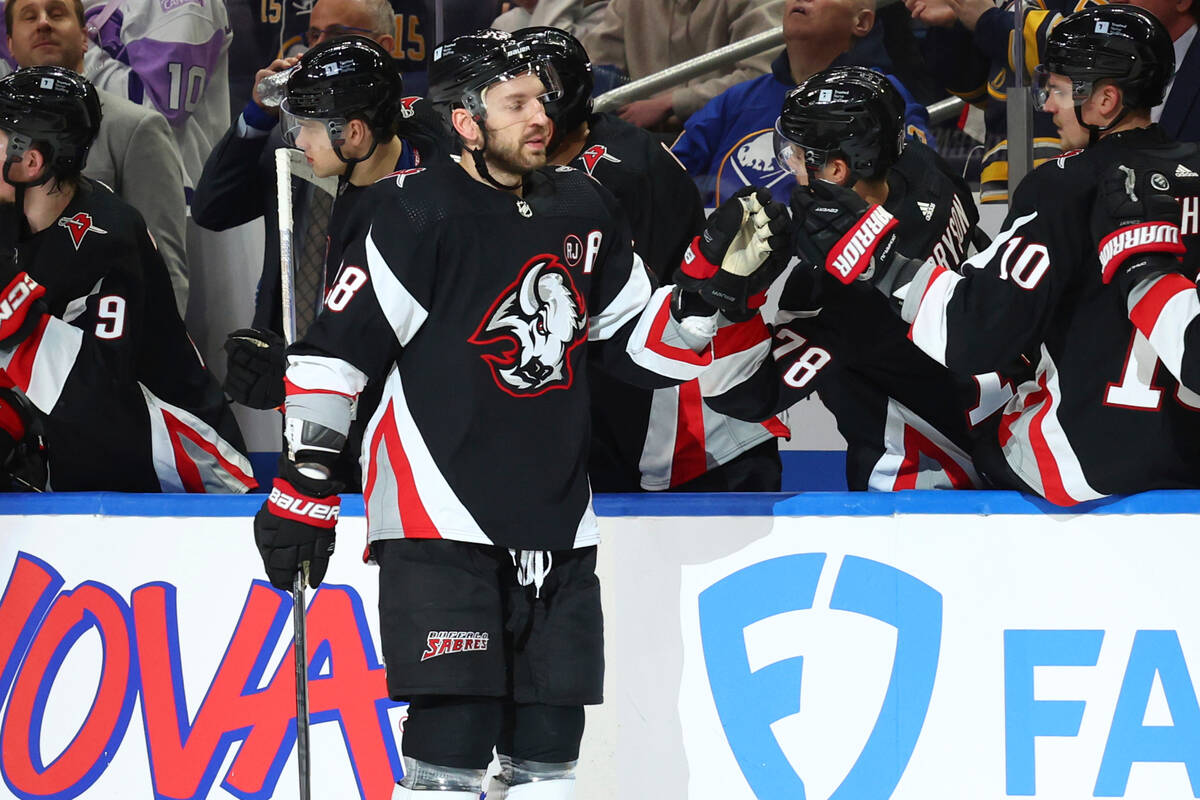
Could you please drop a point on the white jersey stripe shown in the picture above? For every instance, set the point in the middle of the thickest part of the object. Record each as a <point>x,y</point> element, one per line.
<point>404,314</point>
<point>930,473</point>
<point>445,510</point>
<point>1045,444</point>
<point>1162,311</point>
<point>54,354</point>
<point>656,345</point>
<point>929,328</point>
<point>627,304</point>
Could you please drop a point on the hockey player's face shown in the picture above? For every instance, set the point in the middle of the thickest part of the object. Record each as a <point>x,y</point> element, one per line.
<point>312,137</point>
<point>1060,104</point>
<point>517,125</point>
<point>47,33</point>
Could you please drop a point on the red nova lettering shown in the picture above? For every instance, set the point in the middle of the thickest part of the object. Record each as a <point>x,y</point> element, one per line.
<point>440,643</point>
<point>249,705</point>
<point>850,256</point>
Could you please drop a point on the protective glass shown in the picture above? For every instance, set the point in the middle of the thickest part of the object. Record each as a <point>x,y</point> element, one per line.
<point>506,101</point>
<point>1043,91</point>
<point>292,126</point>
<point>794,157</point>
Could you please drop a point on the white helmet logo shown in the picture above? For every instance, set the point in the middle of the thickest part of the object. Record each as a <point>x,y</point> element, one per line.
<point>47,83</point>
<point>1101,26</point>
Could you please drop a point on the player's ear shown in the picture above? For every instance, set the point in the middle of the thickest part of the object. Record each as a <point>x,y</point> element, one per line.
<point>839,171</point>
<point>34,163</point>
<point>864,20</point>
<point>466,128</point>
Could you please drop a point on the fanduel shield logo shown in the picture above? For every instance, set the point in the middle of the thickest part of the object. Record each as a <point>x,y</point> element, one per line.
<point>754,699</point>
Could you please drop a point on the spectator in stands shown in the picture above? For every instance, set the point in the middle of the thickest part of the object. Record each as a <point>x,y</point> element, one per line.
<point>728,143</point>
<point>171,57</point>
<point>134,153</point>
<point>90,334</point>
<point>576,17</point>
<point>642,37</point>
<point>968,44</point>
<point>1179,114</point>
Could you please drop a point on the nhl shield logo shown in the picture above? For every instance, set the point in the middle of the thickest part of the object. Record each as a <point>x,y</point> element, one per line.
<point>530,330</point>
<point>887,630</point>
<point>79,226</point>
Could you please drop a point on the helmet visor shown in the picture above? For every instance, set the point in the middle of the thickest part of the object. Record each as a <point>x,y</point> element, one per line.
<point>1064,91</point>
<point>298,130</point>
<point>802,161</point>
<point>513,97</point>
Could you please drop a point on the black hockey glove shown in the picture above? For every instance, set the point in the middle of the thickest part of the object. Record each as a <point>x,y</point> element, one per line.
<point>295,528</point>
<point>255,363</point>
<point>742,250</point>
<point>853,240</point>
<point>1135,222</point>
<point>21,307</point>
<point>22,449</point>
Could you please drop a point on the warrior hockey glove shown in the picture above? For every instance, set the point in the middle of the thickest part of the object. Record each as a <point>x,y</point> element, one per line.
<point>743,249</point>
<point>295,528</point>
<point>20,309</point>
<point>836,228</point>
<point>255,364</point>
<point>1136,224</point>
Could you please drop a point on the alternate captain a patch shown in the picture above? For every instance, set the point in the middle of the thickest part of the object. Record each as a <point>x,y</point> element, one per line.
<point>79,226</point>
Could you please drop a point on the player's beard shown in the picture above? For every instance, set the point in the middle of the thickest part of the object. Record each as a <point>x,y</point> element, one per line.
<point>512,157</point>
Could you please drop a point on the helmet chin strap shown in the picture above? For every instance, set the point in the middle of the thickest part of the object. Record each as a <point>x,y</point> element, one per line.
<point>481,164</point>
<point>1094,131</point>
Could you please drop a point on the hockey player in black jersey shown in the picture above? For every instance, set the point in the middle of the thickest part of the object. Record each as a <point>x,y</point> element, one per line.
<point>344,105</point>
<point>664,438</point>
<point>1097,418</point>
<point>89,333</point>
<point>476,298</point>
<point>906,419</point>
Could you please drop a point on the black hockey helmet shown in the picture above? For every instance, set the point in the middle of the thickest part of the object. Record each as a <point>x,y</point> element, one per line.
<point>851,112</point>
<point>1123,43</point>
<point>54,110</point>
<point>464,67</point>
<point>574,70</point>
<point>350,77</point>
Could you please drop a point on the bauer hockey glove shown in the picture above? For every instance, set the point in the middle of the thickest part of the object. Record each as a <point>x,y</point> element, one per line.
<point>1135,221</point>
<point>853,240</point>
<point>295,528</point>
<point>21,307</point>
<point>742,250</point>
<point>255,364</point>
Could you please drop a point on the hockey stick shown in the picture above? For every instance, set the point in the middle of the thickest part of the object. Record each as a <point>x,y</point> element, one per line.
<point>283,190</point>
<point>291,163</point>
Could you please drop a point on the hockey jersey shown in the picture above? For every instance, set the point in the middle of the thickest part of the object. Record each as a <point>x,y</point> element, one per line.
<point>1166,309</point>
<point>476,309</point>
<point>125,402</point>
<point>173,56</point>
<point>907,421</point>
<point>1097,418</point>
<point>662,438</point>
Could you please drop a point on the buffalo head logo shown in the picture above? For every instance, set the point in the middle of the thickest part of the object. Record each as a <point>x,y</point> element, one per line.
<point>540,318</point>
